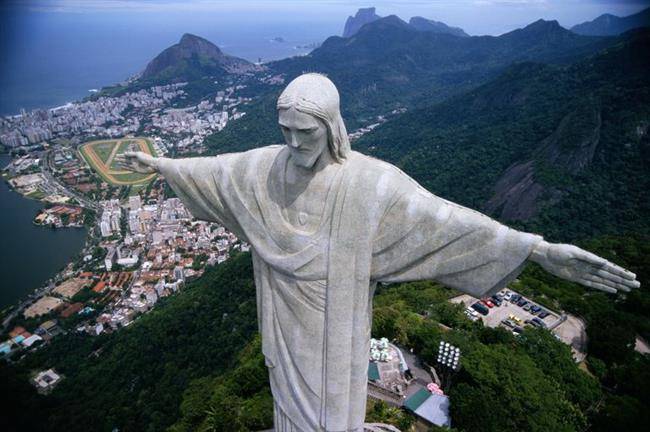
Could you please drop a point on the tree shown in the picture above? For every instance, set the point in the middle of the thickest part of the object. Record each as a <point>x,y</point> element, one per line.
<point>500,389</point>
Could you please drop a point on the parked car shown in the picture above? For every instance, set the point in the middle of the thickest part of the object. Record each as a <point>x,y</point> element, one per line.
<point>522,302</point>
<point>539,322</point>
<point>515,318</point>
<point>543,314</point>
<point>527,307</point>
<point>515,298</point>
<point>534,309</point>
<point>488,303</point>
<point>509,323</point>
<point>480,308</point>
<point>496,300</point>
<point>507,296</point>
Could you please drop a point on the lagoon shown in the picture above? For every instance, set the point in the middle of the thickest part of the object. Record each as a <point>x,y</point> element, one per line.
<point>29,254</point>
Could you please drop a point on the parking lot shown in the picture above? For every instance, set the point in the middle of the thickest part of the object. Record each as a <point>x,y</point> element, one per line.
<point>499,313</point>
<point>569,329</point>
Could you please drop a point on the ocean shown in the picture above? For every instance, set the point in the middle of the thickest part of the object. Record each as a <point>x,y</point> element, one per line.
<point>50,59</point>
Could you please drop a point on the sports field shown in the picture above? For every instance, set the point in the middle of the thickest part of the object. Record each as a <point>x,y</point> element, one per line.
<point>100,155</point>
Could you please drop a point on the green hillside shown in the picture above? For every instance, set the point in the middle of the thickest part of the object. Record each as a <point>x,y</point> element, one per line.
<point>561,150</point>
<point>134,379</point>
<point>389,63</point>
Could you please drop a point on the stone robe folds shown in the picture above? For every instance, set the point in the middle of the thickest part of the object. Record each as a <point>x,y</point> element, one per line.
<point>314,289</point>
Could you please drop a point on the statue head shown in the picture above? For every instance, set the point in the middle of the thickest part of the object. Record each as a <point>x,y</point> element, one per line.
<point>311,122</point>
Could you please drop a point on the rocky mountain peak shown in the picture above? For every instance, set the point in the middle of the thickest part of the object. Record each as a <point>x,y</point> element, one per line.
<point>361,18</point>
<point>181,59</point>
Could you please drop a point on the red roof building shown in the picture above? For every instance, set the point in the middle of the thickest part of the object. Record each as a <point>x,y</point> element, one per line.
<point>101,286</point>
<point>17,331</point>
<point>71,310</point>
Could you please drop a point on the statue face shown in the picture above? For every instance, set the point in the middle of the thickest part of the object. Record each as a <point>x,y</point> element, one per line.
<point>305,135</point>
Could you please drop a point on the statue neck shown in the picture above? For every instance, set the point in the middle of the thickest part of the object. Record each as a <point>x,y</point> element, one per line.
<point>298,175</point>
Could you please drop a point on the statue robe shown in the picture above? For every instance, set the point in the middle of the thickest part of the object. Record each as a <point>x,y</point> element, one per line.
<point>314,289</point>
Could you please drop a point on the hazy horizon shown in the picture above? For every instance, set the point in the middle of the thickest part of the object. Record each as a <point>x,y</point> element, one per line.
<point>55,51</point>
<point>476,17</point>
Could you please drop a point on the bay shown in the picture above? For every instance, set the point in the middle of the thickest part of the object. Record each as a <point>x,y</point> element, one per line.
<point>29,254</point>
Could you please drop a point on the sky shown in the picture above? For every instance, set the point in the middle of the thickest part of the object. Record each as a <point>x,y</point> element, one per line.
<point>476,17</point>
<point>55,51</point>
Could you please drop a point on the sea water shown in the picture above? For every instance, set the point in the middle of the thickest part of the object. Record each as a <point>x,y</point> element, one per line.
<point>50,58</point>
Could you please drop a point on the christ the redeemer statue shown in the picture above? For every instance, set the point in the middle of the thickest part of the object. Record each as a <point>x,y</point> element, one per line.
<point>325,224</point>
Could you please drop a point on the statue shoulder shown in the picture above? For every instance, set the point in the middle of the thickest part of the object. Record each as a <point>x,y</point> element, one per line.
<point>251,162</point>
<point>265,151</point>
<point>386,177</point>
<point>252,156</point>
<point>375,167</point>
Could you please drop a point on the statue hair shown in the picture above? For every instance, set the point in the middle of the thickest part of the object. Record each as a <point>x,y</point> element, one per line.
<point>316,95</point>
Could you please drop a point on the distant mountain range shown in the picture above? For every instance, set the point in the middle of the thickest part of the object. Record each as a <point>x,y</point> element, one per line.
<point>604,25</point>
<point>389,63</point>
<point>423,24</point>
<point>192,58</point>
<point>540,145</point>
<point>611,25</point>
<point>367,15</point>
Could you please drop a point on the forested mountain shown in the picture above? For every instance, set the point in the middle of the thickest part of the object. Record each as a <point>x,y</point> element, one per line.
<point>389,65</point>
<point>611,25</point>
<point>134,379</point>
<point>540,144</point>
<point>192,58</point>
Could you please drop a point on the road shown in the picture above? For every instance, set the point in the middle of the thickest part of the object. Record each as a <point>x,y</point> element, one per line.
<point>55,187</point>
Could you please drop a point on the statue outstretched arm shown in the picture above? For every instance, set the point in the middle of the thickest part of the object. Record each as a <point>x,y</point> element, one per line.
<point>139,162</point>
<point>577,265</point>
<point>423,236</point>
<point>192,179</point>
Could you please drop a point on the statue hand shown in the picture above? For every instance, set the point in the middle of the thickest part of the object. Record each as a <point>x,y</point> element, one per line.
<point>137,161</point>
<point>577,265</point>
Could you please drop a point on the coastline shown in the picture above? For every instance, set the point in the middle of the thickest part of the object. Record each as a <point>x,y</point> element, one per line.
<point>26,243</point>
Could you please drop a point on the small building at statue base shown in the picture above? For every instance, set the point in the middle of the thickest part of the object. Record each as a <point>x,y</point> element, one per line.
<point>409,386</point>
<point>46,380</point>
<point>434,408</point>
